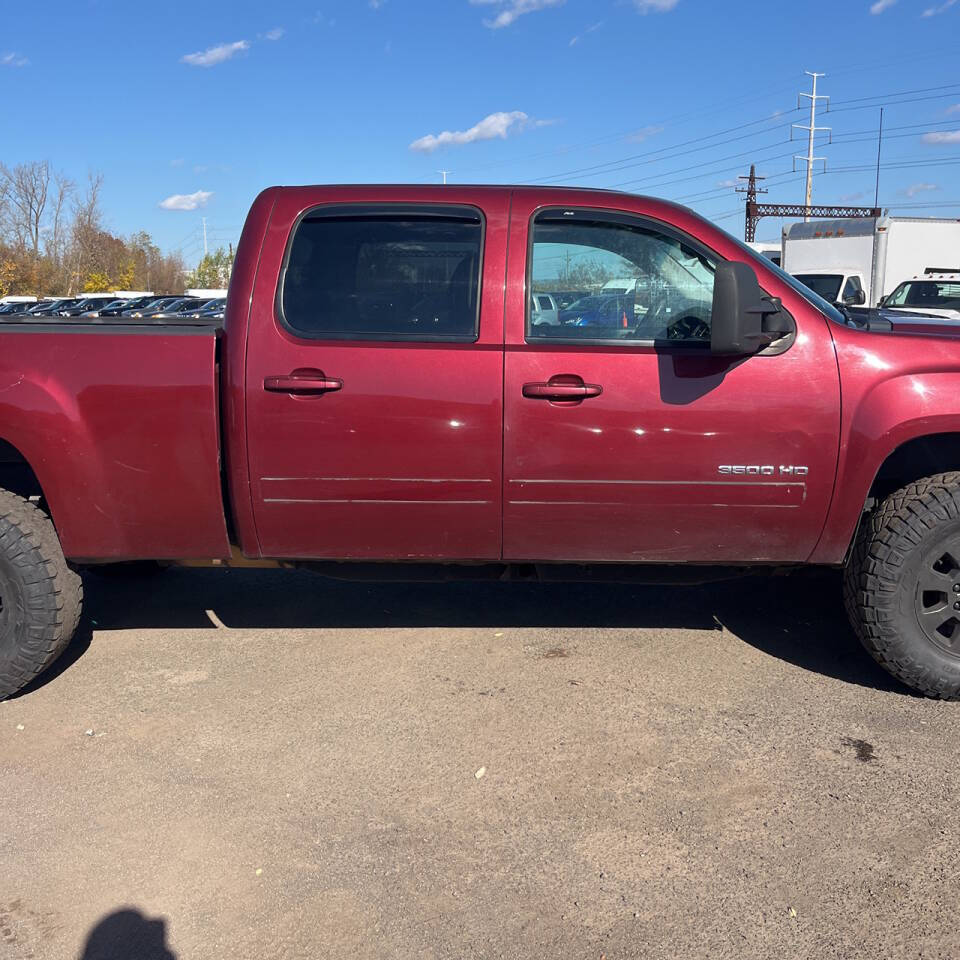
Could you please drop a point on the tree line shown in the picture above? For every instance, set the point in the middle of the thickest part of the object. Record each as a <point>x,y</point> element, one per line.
<point>53,241</point>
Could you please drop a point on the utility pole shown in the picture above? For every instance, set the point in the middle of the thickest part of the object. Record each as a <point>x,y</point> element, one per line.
<point>750,212</point>
<point>203,220</point>
<point>443,173</point>
<point>812,129</point>
<point>876,192</point>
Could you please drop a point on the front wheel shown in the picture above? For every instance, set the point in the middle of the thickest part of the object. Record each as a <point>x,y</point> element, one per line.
<point>40,596</point>
<point>902,585</point>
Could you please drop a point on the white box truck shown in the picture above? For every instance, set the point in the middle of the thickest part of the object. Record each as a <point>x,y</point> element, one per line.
<point>861,260</point>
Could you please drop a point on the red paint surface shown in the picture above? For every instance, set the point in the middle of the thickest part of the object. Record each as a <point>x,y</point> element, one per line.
<point>632,474</point>
<point>121,431</point>
<point>402,462</point>
<point>432,451</point>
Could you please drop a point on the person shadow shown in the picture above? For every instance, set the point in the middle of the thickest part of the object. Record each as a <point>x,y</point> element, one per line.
<point>128,934</point>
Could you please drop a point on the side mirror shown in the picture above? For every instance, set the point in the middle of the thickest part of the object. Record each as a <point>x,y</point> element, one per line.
<point>857,299</point>
<point>739,307</point>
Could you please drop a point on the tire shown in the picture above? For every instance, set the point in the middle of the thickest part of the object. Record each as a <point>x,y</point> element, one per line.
<point>902,585</point>
<point>40,596</point>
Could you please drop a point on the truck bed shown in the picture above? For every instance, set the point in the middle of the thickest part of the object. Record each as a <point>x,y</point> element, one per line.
<point>120,422</point>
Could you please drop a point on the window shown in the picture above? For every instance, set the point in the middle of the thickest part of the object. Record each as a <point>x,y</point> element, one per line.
<point>931,294</point>
<point>620,279</point>
<point>545,303</point>
<point>385,273</point>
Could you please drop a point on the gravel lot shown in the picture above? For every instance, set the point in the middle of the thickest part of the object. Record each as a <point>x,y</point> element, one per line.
<point>462,770</point>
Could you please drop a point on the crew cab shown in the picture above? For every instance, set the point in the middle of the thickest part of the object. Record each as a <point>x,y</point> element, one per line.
<point>379,393</point>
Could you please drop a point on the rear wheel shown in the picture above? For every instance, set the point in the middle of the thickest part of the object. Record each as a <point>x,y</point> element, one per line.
<point>902,585</point>
<point>40,596</point>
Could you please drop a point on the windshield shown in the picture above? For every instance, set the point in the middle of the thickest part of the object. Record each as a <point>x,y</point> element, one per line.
<point>928,294</point>
<point>826,285</point>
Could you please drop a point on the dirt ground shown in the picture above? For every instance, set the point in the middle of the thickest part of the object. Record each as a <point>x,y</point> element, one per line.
<point>319,769</point>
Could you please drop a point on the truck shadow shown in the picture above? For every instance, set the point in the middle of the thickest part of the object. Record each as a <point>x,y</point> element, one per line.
<point>797,618</point>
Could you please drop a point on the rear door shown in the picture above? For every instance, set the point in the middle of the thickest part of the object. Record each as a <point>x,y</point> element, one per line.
<point>374,376</point>
<point>625,440</point>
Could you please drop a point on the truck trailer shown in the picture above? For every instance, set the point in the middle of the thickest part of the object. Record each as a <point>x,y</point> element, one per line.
<point>861,260</point>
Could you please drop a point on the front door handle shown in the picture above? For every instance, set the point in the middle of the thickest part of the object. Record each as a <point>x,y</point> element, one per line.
<point>303,382</point>
<point>564,387</point>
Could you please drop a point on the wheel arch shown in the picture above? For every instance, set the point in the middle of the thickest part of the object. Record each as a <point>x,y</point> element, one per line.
<point>17,474</point>
<point>916,458</point>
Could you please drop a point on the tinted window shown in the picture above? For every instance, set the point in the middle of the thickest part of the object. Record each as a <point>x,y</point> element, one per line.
<point>826,285</point>
<point>926,293</point>
<point>636,281</point>
<point>385,274</point>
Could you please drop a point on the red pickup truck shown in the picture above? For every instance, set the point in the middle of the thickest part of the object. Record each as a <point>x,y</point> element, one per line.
<point>382,389</point>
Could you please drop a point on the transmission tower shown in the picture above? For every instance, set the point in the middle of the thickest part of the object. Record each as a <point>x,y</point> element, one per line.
<point>750,214</point>
<point>812,130</point>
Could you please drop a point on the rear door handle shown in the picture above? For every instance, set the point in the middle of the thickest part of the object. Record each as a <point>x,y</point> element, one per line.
<point>562,388</point>
<point>302,382</point>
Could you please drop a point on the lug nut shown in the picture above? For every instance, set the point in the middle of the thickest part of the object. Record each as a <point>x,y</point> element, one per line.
<point>956,588</point>
<point>956,606</point>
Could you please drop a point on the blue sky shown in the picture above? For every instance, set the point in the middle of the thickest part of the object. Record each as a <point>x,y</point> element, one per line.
<point>202,104</point>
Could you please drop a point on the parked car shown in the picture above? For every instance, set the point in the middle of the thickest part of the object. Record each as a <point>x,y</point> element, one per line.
<point>183,309</point>
<point>13,302</point>
<point>378,393</point>
<point>565,297</point>
<point>52,308</point>
<point>156,305</point>
<point>213,310</point>
<point>544,309</point>
<point>14,308</point>
<point>84,306</point>
<point>118,307</point>
<point>936,294</point>
<point>97,308</point>
<point>601,310</point>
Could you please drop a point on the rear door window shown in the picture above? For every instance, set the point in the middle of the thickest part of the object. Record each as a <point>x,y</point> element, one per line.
<point>384,273</point>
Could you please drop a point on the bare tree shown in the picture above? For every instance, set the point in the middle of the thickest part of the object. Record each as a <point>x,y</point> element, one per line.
<point>27,186</point>
<point>86,230</point>
<point>56,239</point>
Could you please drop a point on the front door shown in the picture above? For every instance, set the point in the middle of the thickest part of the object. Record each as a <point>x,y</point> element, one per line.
<point>625,440</point>
<point>374,380</point>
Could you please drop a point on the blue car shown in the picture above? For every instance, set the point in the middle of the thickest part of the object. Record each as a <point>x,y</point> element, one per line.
<point>600,311</point>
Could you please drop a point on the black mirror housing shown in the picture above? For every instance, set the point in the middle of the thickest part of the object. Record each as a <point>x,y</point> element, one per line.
<point>739,306</point>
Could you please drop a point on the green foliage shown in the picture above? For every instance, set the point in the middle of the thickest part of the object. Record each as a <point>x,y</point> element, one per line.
<point>213,271</point>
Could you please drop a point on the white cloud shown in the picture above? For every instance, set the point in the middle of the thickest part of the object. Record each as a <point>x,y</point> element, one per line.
<point>943,136</point>
<point>954,109</point>
<point>377,4</point>
<point>729,183</point>
<point>916,188</point>
<point>275,34</point>
<point>881,5</point>
<point>655,6</point>
<point>187,201</point>
<point>509,10</point>
<point>13,60</point>
<point>496,125</point>
<point>214,55</point>
<point>935,11</point>
<point>644,133</point>
<point>851,197</point>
